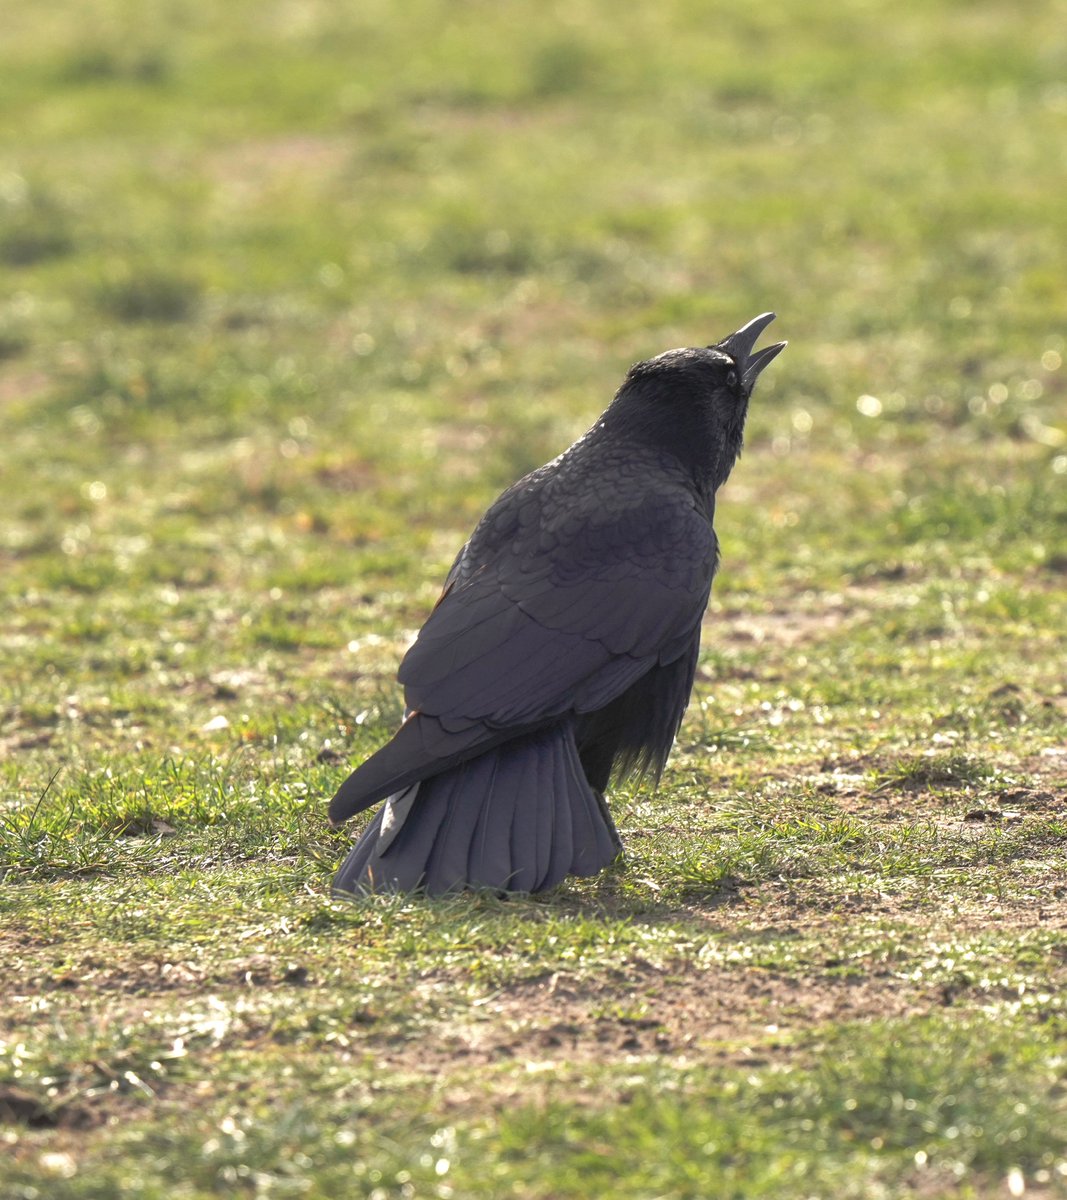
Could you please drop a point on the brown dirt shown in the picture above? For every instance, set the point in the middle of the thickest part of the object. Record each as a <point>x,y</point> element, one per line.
<point>20,384</point>
<point>28,1110</point>
<point>784,628</point>
<point>691,1014</point>
<point>255,163</point>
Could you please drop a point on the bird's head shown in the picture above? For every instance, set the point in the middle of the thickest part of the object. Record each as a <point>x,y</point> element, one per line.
<point>694,400</point>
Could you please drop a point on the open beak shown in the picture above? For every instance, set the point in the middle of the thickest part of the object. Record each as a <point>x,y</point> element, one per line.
<point>739,346</point>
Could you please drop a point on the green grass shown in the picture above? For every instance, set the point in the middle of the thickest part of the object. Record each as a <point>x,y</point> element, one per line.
<point>291,291</point>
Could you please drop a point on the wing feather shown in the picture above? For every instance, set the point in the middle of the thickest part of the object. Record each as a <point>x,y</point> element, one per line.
<point>577,584</point>
<point>520,638</point>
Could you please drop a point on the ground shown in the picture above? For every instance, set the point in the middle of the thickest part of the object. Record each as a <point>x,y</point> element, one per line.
<point>291,291</point>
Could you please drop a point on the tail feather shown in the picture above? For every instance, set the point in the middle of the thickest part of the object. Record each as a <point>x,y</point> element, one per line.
<point>520,817</point>
<point>593,838</point>
<point>526,870</point>
<point>446,862</point>
<point>410,848</point>
<point>584,820</point>
<point>562,848</point>
<point>490,848</point>
<point>544,814</point>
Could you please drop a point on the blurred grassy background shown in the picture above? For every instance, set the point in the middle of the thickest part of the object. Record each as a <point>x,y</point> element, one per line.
<point>289,291</point>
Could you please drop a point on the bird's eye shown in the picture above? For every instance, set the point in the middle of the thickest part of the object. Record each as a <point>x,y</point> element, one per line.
<point>731,379</point>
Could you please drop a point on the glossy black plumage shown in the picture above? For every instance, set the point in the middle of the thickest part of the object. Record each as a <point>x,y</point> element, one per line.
<point>563,649</point>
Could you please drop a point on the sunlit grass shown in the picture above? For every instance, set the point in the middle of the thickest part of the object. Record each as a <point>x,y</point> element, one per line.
<point>291,292</point>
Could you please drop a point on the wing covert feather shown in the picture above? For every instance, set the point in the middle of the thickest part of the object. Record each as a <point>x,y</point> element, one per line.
<point>559,604</point>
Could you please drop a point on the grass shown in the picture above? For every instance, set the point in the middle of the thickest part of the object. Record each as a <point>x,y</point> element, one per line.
<point>291,292</point>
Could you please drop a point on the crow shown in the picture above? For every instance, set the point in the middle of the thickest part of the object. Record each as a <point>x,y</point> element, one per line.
<point>562,650</point>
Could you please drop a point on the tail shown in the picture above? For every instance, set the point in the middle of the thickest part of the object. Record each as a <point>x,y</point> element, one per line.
<point>519,817</point>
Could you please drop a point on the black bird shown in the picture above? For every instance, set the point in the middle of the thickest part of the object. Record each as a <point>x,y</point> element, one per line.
<point>562,651</point>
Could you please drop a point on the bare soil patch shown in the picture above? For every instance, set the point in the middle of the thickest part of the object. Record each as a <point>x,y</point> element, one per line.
<point>697,1013</point>
<point>19,1107</point>
<point>248,168</point>
<point>20,384</point>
